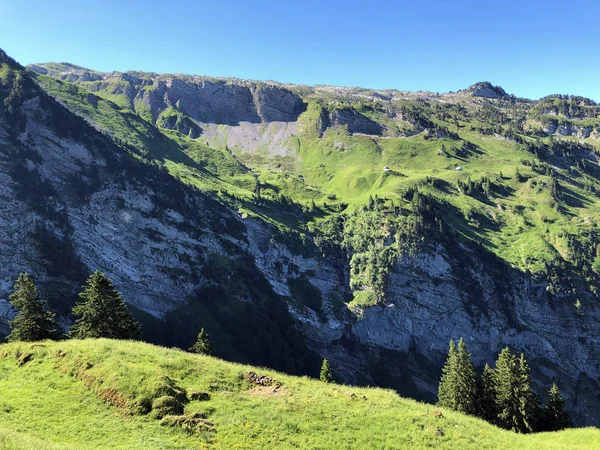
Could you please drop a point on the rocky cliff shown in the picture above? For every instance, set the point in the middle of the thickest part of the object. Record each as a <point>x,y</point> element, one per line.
<point>72,200</point>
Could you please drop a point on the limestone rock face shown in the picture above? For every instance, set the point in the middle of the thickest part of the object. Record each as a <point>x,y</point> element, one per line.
<point>356,122</point>
<point>71,203</point>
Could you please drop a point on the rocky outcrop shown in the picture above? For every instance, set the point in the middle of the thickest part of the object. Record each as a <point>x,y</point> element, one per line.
<point>487,90</point>
<point>566,128</point>
<point>356,122</point>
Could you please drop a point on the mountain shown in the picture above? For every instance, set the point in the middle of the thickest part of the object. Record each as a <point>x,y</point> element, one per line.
<point>366,226</point>
<point>98,394</point>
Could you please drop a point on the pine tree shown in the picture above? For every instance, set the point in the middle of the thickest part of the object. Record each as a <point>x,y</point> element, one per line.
<point>447,387</point>
<point>486,396</point>
<point>326,375</point>
<point>507,400</point>
<point>467,381</point>
<point>529,405</point>
<point>202,345</point>
<point>33,322</point>
<point>516,402</point>
<point>458,384</point>
<point>102,313</point>
<point>554,417</point>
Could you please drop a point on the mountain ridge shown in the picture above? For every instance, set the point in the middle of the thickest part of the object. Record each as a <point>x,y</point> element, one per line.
<point>372,230</point>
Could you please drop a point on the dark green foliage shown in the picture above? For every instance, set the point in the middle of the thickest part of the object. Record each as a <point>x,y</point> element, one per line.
<point>202,345</point>
<point>458,384</point>
<point>554,416</point>
<point>326,374</point>
<point>515,400</point>
<point>33,321</point>
<point>486,396</point>
<point>102,313</point>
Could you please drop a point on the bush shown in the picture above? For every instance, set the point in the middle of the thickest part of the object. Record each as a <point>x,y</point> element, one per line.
<point>166,406</point>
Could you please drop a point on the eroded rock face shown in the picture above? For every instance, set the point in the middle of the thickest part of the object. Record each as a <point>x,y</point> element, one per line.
<point>72,204</point>
<point>356,122</point>
<point>430,301</point>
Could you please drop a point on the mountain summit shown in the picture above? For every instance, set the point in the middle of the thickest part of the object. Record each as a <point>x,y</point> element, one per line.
<point>487,90</point>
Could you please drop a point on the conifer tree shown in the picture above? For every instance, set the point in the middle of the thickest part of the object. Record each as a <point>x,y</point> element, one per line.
<point>102,313</point>
<point>555,418</point>
<point>467,380</point>
<point>326,374</point>
<point>505,380</point>
<point>529,405</point>
<point>486,396</point>
<point>516,402</point>
<point>202,345</point>
<point>446,390</point>
<point>459,383</point>
<point>33,322</point>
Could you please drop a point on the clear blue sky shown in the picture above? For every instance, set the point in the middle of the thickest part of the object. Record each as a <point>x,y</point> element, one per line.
<point>531,48</point>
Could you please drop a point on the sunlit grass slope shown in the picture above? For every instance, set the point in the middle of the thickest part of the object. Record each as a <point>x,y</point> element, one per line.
<point>94,395</point>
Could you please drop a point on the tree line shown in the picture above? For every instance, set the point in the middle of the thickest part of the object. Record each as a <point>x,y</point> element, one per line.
<point>502,396</point>
<point>101,313</point>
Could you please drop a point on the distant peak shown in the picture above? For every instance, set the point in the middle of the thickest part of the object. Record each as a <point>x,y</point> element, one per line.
<point>487,90</point>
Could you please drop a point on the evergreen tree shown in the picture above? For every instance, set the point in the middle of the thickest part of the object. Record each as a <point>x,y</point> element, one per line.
<point>458,385</point>
<point>33,322</point>
<point>505,380</point>
<point>202,345</point>
<point>486,396</point>
<point>516,402</point>
<point>467,380</point>
<point>554,417</point>
<point>102,313</point>
<point>326,374</point>
<point>529,405</point>
<point>447,387</point>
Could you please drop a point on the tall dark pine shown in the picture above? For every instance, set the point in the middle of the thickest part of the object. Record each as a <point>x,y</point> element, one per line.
<point>102,313</point>
<point>555,418</point>
<point>516,402</point>
<point>458,384</point>
<point>447,387</point>
<point>529,406</point>
<point>33,322</point>
<point>467,381</point>
<point>507,396</point>
<point>486,396</point>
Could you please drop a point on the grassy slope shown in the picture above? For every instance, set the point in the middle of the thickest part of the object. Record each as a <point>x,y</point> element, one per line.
<point>521,226</point>
<point>52,401</point>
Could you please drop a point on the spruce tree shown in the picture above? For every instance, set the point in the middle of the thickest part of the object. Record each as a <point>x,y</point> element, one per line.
<point>458,384</point>
<point>554,417</point>
<point>448,382</point>
<point>326,374</point>
<point>102,313</point>
<point>516,402</point>
<point>33,322</point>
<point>202,345</point>
<point>467,381</point>
<point>486,396</point>
<point>529,405</point>
<point>507,400</point>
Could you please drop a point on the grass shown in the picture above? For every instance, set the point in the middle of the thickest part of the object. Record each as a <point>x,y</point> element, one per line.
<point>332,166</point>
<point>336,170</point>
<point>54,401</point>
